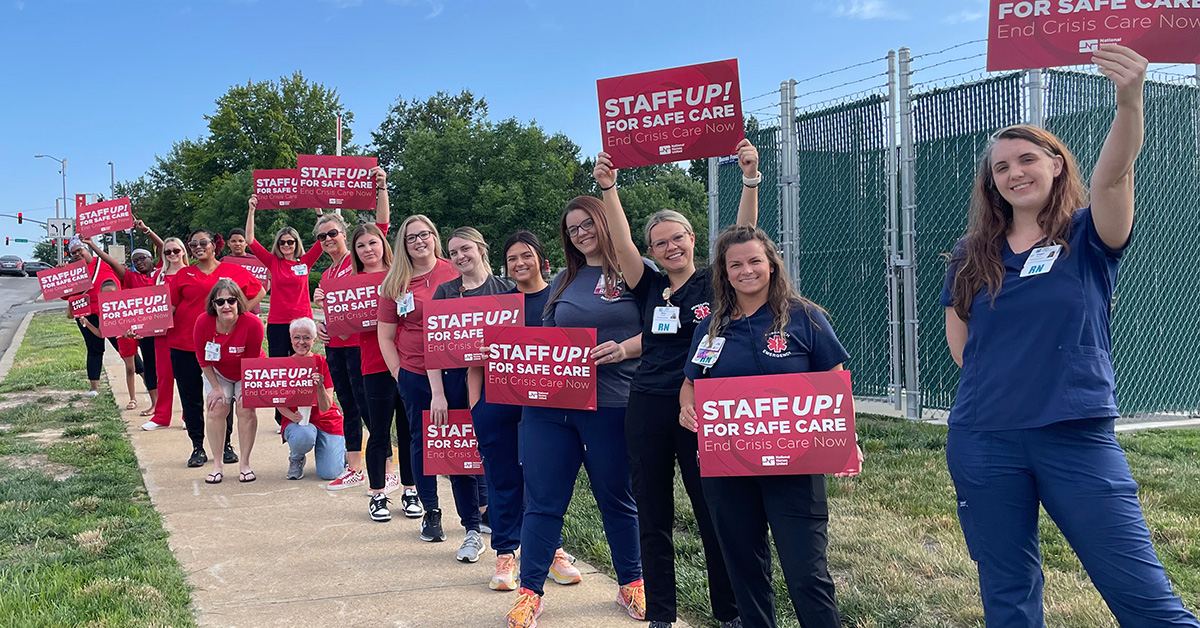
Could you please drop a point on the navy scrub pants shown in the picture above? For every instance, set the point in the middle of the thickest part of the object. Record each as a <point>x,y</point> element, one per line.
<point>554,443</point>
<point>470,491</point>
<point>496,432</point>
<point>796,510</point>
<point>1078,472</point>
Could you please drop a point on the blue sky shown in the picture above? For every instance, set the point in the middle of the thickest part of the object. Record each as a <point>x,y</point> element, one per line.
<point>120,81</point>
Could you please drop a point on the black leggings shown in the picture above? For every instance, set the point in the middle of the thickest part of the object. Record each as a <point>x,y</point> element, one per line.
<point>345,367</point>
<point>150,370</point>
<point>189,380</point>
<point>279,345</point>
<point>384,405</point>
<point>95,350</point>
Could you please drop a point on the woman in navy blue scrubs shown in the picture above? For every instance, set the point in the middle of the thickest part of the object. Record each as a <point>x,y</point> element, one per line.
<point>1027,300</point>
<point>768,329</point>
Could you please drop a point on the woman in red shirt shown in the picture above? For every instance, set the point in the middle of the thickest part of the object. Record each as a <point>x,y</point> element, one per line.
<point>225,334</point>
<point>189,295</point>
<point>411,282</point>
<point>173,258</point>
<point>142,276</point>
<point>317,428</point>
<point>371,254</point>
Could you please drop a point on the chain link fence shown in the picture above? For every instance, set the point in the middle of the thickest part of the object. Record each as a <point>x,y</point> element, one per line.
<point>873,252</point>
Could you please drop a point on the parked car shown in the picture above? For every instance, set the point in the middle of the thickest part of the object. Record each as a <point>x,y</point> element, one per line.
<point>33,267</point>
<point>12,265</point>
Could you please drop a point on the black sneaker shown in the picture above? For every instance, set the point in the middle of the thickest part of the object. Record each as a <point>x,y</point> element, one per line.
<point>198,457</point>
<point>230,457</point>
<point>378,508</point>
<point>411,504</point>
<point>431,526</point>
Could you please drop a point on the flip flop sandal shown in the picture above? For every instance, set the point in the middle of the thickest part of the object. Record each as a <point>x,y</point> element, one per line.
<point>248,476</point>
<point>147,412</point>
<point>214,478</point>
<point>131,405</point>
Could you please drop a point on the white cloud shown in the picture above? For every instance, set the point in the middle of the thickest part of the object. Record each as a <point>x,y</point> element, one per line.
<point>963,17</point>
<point>868,10</point>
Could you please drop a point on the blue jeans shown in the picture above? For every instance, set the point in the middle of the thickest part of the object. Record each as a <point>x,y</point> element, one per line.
<point>554,443</point>
<point>330,449</point>
<point>1078,472</point>
<point>470,491</point>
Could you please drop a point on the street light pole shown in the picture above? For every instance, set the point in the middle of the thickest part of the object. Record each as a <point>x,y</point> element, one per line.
<point>63,163</point>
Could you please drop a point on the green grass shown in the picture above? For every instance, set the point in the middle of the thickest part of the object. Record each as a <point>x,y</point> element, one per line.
<point>896,551</point>
<point>88,550</point>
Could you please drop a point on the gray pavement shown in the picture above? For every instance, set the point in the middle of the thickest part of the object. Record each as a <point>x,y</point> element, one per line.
<point>18,297</point>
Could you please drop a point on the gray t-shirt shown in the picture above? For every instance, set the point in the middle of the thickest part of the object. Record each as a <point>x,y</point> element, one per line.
<point>617,319</point>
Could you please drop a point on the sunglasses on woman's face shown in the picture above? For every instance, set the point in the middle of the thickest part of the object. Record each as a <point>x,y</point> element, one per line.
<point>287,243</point>
<point>332,233</point>
<point>200,244</point>
<point>219,302</point>
<point>172,251</point>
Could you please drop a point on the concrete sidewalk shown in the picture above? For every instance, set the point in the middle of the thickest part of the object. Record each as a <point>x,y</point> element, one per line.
<point>290,553</point>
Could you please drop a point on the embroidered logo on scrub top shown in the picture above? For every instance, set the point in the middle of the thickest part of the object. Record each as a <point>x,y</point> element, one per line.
<point>777,345</point>
<point>701,310</point>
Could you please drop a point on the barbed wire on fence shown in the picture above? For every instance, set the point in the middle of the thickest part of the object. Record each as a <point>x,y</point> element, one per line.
<point>849,67</point>
<point>831,102</point>
<point>763,95</point>
<point>945,50</point>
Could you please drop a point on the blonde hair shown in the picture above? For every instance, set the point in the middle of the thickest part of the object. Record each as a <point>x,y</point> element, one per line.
<point>299,248</point>
<point>471,234</point>
<point>401,273</point>
<point>666,215</point>
<point>166,265</point>
<point>324,218</point>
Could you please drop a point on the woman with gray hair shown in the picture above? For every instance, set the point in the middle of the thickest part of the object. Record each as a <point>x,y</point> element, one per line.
<point>316,428</point>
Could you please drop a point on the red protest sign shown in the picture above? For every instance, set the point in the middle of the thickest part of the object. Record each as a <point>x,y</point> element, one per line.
<point>279,382</point>
<point>541,366</point>
<point>794,424</point>
<point>339,182</point>
<point>277,189</point>
<point>671,115</point>
<point>451,449</point>
<point>57,283</point>
<point>106,217</point>
<point>79,304</point>
<point>252,264</point>
<point>1041,34</point>
<point>144,311</point>
<point>454,327</point>
<point>351,303</point>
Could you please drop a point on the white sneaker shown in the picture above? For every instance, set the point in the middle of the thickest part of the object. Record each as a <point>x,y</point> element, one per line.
<point>150,426</point>
<point>471,548</point>
<point>391,483</point>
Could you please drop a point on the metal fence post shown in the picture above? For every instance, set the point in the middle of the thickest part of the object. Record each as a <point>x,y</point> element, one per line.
<point>789,194</point>
<point>714,206</point>
<point>1033,85</point>
<point>908,203</point>
<point>893,242</point>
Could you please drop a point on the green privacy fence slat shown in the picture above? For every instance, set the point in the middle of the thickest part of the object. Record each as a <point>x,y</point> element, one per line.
<point>842,245</point>
<point>1156,332</point>
<point>950,128</point>
<point>729,184</point>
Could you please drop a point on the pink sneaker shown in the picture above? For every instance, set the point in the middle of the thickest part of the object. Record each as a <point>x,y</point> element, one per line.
<point>505,577</point>
<point>349,478</point>
<point>392,483</point>
<point>562,570</point>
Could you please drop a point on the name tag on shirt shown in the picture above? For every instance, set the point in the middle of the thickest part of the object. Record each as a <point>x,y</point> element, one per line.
<point>666,320</point>
<point>1041,260</point>
<point>300,269</point>
<point>212,352</point>
<point>708,351</point>
<point>406,304</point>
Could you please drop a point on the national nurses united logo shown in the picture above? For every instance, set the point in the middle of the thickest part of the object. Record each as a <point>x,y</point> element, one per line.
<point>777,345</point>
<point>701,310</point>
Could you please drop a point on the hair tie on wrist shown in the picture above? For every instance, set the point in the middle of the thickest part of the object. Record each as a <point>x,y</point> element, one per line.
<point>609,187</point>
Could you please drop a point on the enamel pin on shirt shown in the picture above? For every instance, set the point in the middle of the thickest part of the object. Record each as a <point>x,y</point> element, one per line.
<point>1041,260</point>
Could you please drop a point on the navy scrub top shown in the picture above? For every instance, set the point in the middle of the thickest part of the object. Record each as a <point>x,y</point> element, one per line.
<point>1041,353</point>
<point>806,345</point>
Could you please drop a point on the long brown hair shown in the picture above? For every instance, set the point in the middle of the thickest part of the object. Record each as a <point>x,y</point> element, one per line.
<point>782,295</point>
<point>979,255</point>
<point>395,284</point>
<point>364,230</point>
<point>610,268</point>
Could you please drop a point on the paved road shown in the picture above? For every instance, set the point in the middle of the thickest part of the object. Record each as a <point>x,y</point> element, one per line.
<point>17,296</point>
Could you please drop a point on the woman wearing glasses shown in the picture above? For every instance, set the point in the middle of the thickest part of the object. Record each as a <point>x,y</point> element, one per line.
<point>411,281</point>
<point>672,305</point>
<point>591,292</point>
<point>189,295</point>
<point>173,257</point>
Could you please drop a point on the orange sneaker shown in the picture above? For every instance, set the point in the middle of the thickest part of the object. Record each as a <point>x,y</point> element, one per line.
<point>562,570</point>
<point>505,577</point>
<point>525,612</point>
<point>632,596</point>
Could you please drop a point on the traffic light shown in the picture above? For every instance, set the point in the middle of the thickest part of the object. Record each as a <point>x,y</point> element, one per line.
<point>5,240</point>
<point>20,217</point>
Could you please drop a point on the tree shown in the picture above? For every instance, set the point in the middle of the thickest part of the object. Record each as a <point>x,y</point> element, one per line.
<point>496,177</point>
<point>46,252</point>
<point>432,114</point>
<point>670,189</point>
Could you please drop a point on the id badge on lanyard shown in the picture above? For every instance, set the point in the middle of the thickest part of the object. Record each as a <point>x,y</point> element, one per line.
<point>1041,260</point>
<point>212,352</point>
<point>666,320</point>
<point>708,352</point>
<point>406,304</point>
<point>300,270</point>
